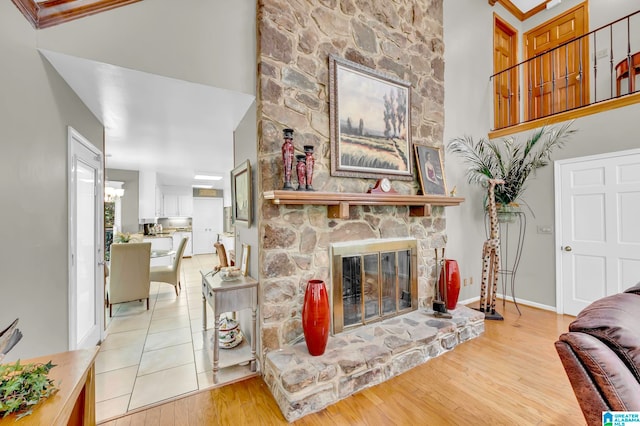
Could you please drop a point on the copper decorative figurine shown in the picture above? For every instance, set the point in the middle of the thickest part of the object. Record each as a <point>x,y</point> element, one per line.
<point>308,150</point>
<point>301,169</point>
<point>287,158</point>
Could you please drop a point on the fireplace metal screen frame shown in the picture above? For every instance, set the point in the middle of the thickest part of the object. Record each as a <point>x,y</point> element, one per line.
<point>362,248</point>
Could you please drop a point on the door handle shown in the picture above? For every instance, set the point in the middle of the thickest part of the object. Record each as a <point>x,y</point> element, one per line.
<point>567,248</point>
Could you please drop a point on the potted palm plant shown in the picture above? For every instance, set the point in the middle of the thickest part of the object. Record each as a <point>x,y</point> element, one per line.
<point>509,160</point>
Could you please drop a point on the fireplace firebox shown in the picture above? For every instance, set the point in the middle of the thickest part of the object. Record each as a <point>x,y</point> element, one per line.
<point>372,280</point>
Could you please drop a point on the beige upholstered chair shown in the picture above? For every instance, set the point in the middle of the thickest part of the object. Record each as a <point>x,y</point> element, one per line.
<point>170,274</point>
<point>129,273</point>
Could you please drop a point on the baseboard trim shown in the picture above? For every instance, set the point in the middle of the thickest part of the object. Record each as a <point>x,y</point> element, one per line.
<point>509,299</point>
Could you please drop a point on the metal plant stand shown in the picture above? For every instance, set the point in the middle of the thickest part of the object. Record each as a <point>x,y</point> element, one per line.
<point>510,257</point>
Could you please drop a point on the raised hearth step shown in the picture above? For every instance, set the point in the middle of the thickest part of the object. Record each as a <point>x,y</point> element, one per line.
<point>303,384</point>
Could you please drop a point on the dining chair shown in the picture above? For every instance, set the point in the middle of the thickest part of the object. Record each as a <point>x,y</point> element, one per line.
<point>170,274</point>
<point>129,273</point>
<point>222,254</point>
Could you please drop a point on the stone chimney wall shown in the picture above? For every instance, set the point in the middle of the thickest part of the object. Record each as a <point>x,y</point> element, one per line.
<point>401,38</point>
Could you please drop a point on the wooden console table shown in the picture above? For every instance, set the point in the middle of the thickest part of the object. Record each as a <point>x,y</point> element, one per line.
<point>229,296</point>
<point>74,402</point>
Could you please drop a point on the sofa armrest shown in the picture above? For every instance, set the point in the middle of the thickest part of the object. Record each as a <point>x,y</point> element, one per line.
<point>600,378</point>
<point>591,402</point>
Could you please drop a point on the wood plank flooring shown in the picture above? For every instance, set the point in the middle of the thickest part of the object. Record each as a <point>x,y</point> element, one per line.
<point>511,375</point>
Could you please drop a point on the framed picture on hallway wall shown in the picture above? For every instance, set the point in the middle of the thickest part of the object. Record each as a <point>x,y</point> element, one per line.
<point>430,170</point>
<point>370,119</point>
<point>241,205</point>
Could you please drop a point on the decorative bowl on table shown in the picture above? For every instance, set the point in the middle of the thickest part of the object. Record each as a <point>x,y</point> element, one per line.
<point>231,342</point>
<point>229,333</point>
<point>229,273</point>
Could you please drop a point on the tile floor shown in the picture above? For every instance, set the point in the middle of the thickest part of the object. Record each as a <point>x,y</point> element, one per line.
<point>154,355</point>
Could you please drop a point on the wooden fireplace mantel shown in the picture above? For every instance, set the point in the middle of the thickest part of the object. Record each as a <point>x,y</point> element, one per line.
<point>338,202</point>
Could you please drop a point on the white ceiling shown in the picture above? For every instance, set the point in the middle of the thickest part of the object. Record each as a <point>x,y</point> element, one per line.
<point>156,123</point>
<point>162,124</point>
<point>526,5</point>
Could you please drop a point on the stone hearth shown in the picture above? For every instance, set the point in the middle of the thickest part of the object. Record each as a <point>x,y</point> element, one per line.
<point>303,384</point>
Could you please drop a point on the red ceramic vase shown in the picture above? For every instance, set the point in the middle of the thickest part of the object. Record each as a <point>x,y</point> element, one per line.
<point>452,281</point>
<point>315,317</point>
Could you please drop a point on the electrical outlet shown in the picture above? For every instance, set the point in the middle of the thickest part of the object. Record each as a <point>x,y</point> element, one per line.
<point>470,280</point>
<point>548,229</point>
<point>602,53</point>
<point>464,282</point>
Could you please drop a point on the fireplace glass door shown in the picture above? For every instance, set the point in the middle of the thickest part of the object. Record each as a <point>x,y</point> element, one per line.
<point>372,286</point>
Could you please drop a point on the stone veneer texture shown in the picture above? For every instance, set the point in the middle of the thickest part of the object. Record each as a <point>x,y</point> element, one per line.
<point>401,38</point>
<point>303,384</point>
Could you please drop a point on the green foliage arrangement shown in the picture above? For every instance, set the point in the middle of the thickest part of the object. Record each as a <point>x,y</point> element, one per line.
<point>122,237</point>
<point>23,386</point>
<point>509,160</point>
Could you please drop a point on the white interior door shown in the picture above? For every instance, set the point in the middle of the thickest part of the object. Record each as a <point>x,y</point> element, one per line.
<point>206,223</point>
<point>86,263</point>
<point>597,211</point>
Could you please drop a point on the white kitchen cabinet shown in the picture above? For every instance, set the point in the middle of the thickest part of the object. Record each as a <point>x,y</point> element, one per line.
<point>206,224</point>
<point>170,203</point>
<point>185,205</point>
<point>146,194</point>
<point>159,204</point>
<point>177,205</point>
<point>177,237</point>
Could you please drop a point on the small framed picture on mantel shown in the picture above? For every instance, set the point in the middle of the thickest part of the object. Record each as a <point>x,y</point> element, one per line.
<point>430,170</point>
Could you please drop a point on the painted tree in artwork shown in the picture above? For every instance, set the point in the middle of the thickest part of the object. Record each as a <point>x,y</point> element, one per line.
<point>401,109</point>
<point>395,105</point>
<point>388,109</point>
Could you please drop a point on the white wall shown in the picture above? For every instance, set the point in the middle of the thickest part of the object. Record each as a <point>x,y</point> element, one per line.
<point>36,106</point>
<point>208,42</point>
<point>246,136</point>
<point>246,148</point>
<point>468,27</point>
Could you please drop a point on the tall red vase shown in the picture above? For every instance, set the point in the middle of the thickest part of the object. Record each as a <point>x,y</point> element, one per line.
<point>315,317</point>
<point>452,281</point>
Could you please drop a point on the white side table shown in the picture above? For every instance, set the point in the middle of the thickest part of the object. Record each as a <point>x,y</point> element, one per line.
<point>228,296</point>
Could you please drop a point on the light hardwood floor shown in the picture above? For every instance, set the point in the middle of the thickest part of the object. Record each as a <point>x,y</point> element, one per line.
<point>511,375</point>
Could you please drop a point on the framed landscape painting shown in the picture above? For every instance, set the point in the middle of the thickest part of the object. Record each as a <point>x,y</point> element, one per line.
<point>431,170</point>
<point>370,120</point>
<point>241,194</point>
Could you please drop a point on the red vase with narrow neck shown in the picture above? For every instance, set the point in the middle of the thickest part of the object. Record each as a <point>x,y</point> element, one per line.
<point>450,276</point>
<point>315,317</point>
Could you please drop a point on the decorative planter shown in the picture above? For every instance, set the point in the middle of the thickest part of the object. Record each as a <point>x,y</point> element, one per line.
<point>315,317</point>
<point>450,275</point>
<point>507,212</point>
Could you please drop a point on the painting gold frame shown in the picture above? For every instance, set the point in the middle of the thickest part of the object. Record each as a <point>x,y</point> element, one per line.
<point>244,262</point>
<point>370,120</point>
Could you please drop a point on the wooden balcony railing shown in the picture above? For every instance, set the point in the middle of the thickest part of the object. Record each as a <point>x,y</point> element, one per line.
<point>596,67</point>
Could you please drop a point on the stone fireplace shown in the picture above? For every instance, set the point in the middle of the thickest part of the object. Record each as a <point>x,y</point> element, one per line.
<point>372,280</point>
<point>403,39</point>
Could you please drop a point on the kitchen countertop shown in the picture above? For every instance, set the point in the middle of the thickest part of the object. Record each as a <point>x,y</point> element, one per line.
<point>166,233</point>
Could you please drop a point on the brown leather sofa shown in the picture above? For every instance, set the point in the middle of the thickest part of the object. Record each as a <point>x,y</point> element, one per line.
<point>601,355</point>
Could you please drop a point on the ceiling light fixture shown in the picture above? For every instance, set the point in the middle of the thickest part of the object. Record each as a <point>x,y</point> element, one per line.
<point>202,186</point>
<point>203,176</point>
